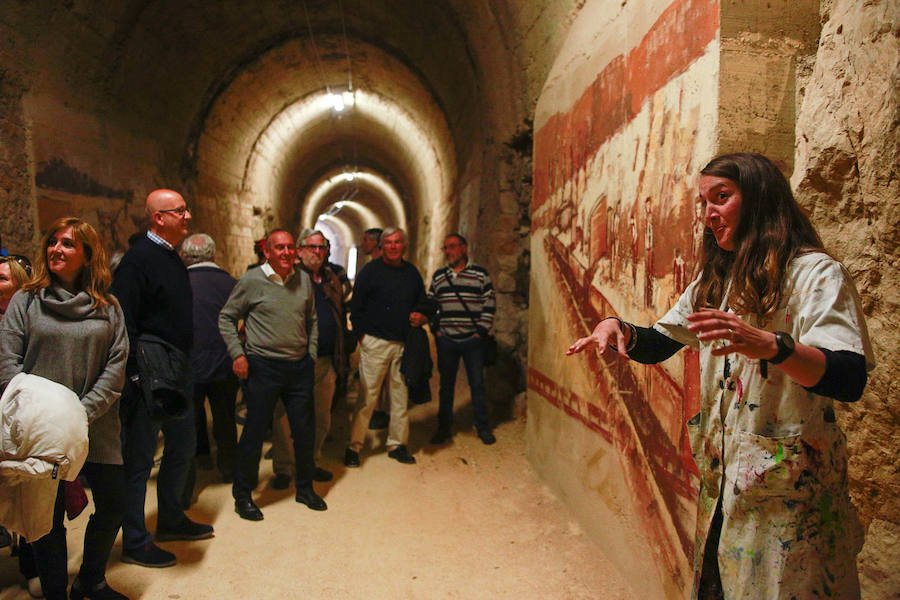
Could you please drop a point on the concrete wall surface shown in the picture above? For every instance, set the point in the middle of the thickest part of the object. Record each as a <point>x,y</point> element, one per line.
<point>639,98</point>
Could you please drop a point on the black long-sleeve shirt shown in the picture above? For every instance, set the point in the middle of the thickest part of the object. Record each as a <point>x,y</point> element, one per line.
<point>383,297</point>
<point>845,372</point>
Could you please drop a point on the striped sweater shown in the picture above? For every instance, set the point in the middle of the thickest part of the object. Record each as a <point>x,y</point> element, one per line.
<point>474,286</point>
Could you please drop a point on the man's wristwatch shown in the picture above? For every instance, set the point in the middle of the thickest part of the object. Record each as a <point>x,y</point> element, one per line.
<point>785,345</point>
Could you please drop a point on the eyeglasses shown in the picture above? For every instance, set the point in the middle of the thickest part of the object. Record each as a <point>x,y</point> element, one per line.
<point>179,212</point>
<point>315,246</point>
<point>451,246</point>
<point>21,260</point>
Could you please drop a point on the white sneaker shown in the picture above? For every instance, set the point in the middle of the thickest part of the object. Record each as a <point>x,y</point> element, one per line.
<point>34,587</point>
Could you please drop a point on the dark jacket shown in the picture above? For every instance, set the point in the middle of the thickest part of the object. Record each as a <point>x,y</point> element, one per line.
<point>334,293</point>
<point>165,377</point>
<point>211,286</point>
<point>416,364</point>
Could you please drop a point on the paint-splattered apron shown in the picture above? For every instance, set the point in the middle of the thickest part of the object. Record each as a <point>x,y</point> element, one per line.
<point>774,452</point>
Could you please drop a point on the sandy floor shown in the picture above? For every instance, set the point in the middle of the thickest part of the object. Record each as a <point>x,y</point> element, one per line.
<point>468,521</point>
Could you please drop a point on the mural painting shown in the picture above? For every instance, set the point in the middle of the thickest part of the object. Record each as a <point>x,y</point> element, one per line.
<point>63,191</point>
<point>616,232</point>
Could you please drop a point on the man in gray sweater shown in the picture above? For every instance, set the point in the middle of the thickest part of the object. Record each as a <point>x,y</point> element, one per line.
<point>277,305</point>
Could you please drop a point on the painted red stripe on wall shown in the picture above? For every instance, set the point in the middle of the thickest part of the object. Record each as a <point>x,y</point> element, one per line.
<point>566,141</point>
<point>595,419</point>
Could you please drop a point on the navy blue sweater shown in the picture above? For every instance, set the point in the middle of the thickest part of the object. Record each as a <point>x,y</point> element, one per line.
<point>152,286</point>
<point>211,286</point>
<point>383,297</point>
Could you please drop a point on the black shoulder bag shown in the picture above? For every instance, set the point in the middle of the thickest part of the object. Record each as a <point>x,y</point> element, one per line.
<point>489,341</point>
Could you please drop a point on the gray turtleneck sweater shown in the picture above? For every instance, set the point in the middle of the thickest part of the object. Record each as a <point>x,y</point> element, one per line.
<point>61,337</point>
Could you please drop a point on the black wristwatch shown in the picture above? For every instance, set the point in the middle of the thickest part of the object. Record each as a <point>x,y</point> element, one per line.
<point>785,345</point>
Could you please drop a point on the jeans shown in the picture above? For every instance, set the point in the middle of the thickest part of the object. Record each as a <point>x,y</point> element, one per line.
<point>108,490</point>
<point>139,438</point>
<point>472,353</point>
<point>268,381</point>
<point>221,394</point>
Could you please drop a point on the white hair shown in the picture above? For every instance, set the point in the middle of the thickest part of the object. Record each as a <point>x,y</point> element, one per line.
<point>196,248</point>
<point>391,231</point>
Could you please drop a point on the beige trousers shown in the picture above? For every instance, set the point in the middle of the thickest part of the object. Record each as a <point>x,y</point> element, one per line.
<point>323,392</point>
<point>378,359</point>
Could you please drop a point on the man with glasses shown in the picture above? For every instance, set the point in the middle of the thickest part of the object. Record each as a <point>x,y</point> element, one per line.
<point>465,297</point>
<point>331,360</point>
<point>277,304</point>
<point>152,286</point>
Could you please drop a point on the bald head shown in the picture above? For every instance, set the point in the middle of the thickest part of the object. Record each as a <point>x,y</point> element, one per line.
<point>161,200</point>
<point>168,215</point>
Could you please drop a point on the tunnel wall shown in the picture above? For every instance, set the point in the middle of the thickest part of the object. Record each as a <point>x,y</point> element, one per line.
<point>621,131</point>
<point>847,176</point>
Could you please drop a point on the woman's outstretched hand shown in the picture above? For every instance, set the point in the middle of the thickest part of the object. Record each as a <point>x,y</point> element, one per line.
<point>606,331</point>
<point>710,324</point>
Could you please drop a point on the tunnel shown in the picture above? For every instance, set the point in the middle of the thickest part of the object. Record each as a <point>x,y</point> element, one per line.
<point>562,138</point>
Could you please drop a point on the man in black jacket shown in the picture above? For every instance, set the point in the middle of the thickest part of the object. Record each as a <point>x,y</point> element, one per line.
<point>382,310</point>
<point>151,283</point>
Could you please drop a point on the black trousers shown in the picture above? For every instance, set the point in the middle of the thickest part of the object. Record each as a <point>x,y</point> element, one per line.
<point>222,394</point>
<point>108,490</point>
<point>270,380</point>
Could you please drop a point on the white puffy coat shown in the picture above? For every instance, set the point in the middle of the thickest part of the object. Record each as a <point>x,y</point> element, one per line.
<point>43,439</point>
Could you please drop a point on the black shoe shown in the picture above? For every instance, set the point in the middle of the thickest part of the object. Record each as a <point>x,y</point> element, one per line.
<point>101,591</point>
<point>308,496</point>
<point>149,555</point>
<point>379,420</point>
<point>321,475</point>
<point>351,458</point>
<point>442,436</point>
<point>247,509</point>
<point>187,530</point>
<point>486,436</point>
<point>281,481</point>
<point>401,454</point>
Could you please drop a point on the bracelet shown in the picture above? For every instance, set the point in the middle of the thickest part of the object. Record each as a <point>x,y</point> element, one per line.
<point>623,324</point>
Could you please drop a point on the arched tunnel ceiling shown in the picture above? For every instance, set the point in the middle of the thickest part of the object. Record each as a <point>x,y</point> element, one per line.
<point>222,38</point>
<point>159,68</point>
<point>274,129</point>
<point>363,196</point>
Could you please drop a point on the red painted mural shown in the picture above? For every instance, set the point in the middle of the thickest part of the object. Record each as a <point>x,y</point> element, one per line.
<point>616,231</point>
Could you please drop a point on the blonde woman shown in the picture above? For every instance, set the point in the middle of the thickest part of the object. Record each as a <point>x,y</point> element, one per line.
<point>64,325</point>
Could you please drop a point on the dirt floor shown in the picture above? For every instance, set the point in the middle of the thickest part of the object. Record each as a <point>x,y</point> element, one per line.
<point>468,521</point>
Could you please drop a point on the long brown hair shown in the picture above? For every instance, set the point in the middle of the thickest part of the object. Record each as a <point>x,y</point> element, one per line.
<point>772,230</point>
<point>95,277</point>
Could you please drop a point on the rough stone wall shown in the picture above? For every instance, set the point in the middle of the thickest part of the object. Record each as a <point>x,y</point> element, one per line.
<point>17,217</point>
<point>71,153</point>
<point>761,49</point>
<point>847,176</point>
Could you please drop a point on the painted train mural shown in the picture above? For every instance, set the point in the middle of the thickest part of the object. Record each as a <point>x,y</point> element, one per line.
<point>616,231</point>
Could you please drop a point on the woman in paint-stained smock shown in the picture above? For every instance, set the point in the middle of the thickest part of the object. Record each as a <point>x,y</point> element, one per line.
<point>64,325</point>
<point>781,335</point>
